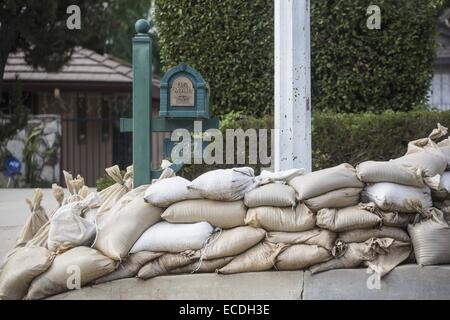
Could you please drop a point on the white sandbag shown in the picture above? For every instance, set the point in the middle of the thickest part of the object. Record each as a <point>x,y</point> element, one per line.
<point>319,182</point>
<point>222,214</point>
<point>259,258</point>
<point>130,267</point>
<point>272,194</point>
<point>122,228</point>
<point>395,197</point>
<point>20,269</point>
<point>392,256</point>
<point>86,262</point>
<point>232,242</point>
<point>68,229</point>
<point>319,237</point>
<point>388,171</point>
<point>299,218</point>
<point>35,221</point>
<point>431,239</point>
<point>167,262</point>
<point>444,147</point>
<point>444,184</point>
<point>170,237</point>
<point>225,184</point>
<point>279,176</point>
<point>301,256</point>
<point>162,193</point>
<point>204,266</point>
<point>356,217</point>
<point>339,198</point>
<point>361,235</point>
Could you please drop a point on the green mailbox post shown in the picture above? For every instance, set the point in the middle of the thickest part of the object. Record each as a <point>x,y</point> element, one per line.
<point>184,99</point>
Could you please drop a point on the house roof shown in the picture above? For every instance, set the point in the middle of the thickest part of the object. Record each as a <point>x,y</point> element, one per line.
<point>84,67</point>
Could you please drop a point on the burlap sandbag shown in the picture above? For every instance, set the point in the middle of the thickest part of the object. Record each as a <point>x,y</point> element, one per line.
<point>35,221</point>
<point>396,219</point>
<point>394,255</point>
<point>444,147</point>
<point>356,217</point>
<point>339,198</point>
<point>90,264</point>
<point>222,214</point>
<point>20,269</point>
<point>259,258</point>
<point>130,267</point>
<point>232,242</point>
<point>272,194</point>
<point>396,197</point>
<point>388,171</point>
<point>167,262</point>
<point>319,182</point>
<point>361,235</point>
<point>431,239</point>
<point>225,184</point>
<point>162,193</point>
<point>121,229</point>
<point>281,219</point>
<point>301,256</point>
<point>319,237</point>
<point>204,266</point>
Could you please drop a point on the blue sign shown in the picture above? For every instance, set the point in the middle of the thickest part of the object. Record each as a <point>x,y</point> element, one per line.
<point>12,166</point>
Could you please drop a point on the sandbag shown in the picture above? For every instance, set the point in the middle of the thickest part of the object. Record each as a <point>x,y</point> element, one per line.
<point>299,218</point>
<point>396,219</point>
<point>444,147</point>
<point>204,266</point>
<point>232,242</point>
<point>361,235</point>
<point>356,217</point>
<point>339,198</point>
<point>218,213</point>
<point>394,255</point>
<point>319,182</point>
<point>20,269</point>
<point>169,237</point>
<point>122,228</point>
<point>388,171</point>
<point>130,267</point>
<point>68,229</point>
<point>259,258</point>
<point>225,184</point>
<point>162,193</point>
<point>444,184</point>
<point>165,263</point>
<point>319,237</point>
<point>35,221</point>
<point>86,262</point>
<point>279,176</point>
<point>272,194</point>
<point>301,256</point>
<point>431,239</point>
<point>395,197</point>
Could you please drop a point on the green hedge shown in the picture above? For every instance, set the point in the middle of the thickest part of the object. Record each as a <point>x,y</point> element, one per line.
<point>354,69</point>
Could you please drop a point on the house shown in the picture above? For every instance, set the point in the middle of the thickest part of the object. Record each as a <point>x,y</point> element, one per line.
<point>81,104</point>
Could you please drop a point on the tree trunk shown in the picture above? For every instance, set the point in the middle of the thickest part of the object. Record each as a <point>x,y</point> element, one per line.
<point>9,36</point>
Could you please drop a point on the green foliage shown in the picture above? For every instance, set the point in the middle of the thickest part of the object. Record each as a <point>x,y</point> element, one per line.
<point>354,69</point>
<point>106,181</point>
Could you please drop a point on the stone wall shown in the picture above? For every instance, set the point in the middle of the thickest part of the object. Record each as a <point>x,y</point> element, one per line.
<point>46,161</point>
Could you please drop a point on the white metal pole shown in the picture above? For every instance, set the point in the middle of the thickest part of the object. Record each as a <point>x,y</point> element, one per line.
<point>292,85</point>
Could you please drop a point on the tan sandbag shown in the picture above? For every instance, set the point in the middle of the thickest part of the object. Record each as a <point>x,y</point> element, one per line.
<point>319,182</point>
<point>431,239</point>
<point>388,171</point>
<point>361,235</point>
<point>164,192</point>
<point>204,266</point>
<point>396,219</point>
<point>130,267</point>
<point>222,214</point>
<point>20,269</point>
<point>299,218</point>
<point>301,256</point>
<point>165,263</point>
<point>428,143</point>
<point>319,237</point>
<point>35,221</point>
<point>444,147</point>
<point>272,194</point>
<point>122,228</point>
<point>74,186</point>
<point>259,258</point>
<point>232,242</point>
<point>356,217</point>
<point>339,198</point>
<point>87,263</point>
<point>395,254</point>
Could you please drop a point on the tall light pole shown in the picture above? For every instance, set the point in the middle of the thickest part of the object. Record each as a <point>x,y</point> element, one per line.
<point>292,85</point>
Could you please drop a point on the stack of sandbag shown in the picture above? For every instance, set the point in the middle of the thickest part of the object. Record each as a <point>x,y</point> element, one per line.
<point>336,187</point>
